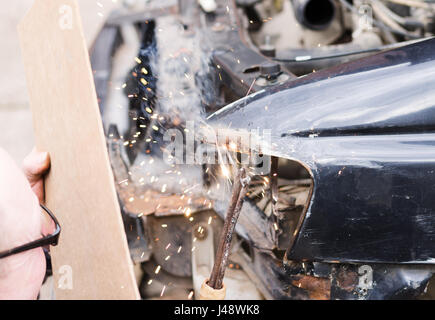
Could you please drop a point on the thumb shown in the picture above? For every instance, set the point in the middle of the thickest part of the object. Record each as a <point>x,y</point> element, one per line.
<point>35,165</point>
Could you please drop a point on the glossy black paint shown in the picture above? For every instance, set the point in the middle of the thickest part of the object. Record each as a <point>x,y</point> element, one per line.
<point>366,131</point>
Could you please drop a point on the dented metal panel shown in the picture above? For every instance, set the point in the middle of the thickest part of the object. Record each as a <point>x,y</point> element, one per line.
<point>366,132</point>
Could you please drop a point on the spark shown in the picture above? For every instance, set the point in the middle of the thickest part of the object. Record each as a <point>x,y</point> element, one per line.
<point>163,291</point>
<point>225,172</point>
<point>188,212</point>
<point>190,296</point>
<point>157,269</point>
<point>250,87</point>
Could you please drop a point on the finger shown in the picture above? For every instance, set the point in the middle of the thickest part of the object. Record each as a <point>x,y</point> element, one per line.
<point>47,225</point>
<point>35,165</point>
<point>38,189</point>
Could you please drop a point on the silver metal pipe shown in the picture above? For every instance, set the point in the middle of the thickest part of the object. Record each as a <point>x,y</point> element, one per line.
<point>314,14</point>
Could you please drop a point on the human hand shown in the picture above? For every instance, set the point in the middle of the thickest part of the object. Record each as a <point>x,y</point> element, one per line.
<point>21,275</point>
<point>35,166</point>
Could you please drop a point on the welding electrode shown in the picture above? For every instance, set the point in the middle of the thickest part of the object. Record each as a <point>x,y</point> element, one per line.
<point>214,288</point>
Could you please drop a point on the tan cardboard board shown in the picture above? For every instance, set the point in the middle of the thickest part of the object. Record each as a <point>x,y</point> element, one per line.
<point>92,260</point>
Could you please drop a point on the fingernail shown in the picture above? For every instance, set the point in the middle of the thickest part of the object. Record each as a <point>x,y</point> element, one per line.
<point>42,157</point>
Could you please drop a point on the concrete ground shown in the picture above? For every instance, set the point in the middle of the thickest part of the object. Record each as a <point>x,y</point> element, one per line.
<point>15,117</point>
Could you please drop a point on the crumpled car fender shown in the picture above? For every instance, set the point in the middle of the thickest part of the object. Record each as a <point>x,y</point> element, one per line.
<point>366,132</point>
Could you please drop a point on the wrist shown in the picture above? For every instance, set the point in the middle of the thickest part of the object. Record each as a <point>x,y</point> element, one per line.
<point>17,230</point>
<point>21,275</point>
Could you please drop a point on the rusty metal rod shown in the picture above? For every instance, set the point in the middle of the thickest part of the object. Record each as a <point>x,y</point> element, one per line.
<point>274,197</point>
<point>274,185</point>
<point>239,191</point>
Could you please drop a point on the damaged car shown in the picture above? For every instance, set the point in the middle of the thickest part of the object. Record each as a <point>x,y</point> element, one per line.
<point>333,104</point>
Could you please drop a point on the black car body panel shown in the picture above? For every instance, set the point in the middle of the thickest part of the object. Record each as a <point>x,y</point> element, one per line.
<point>366,132</point>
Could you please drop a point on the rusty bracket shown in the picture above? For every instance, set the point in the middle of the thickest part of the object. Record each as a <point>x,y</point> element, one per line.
<point>240,187</point>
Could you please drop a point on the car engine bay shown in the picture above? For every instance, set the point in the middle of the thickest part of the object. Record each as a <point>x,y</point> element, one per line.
<point>330,99</point>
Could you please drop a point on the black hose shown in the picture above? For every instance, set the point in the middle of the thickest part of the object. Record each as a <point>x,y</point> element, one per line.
<point>331,56</point>
<point>304,61</point>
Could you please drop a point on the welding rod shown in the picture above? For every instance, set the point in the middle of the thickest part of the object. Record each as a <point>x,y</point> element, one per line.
<point>215,288</point>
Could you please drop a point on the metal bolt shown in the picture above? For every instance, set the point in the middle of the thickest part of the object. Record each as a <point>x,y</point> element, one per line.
<point>270,70</point>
